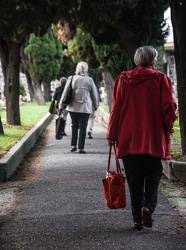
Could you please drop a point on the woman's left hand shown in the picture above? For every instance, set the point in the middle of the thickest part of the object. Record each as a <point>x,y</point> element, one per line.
<point>110,143</point>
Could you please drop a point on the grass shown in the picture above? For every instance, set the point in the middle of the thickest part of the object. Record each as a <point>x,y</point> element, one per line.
<point>176,134</point>
<point>104,107</point>
<point>176,151</point>
<point>30,113</point>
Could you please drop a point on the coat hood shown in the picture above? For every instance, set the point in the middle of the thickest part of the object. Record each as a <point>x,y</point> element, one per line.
<point>139,75</point>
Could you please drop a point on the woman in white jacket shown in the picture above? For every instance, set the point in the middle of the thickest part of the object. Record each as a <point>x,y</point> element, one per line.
<point>84,101</point>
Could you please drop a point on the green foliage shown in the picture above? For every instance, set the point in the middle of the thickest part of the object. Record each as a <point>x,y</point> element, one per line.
<point>176,151</point>
<point>81,48</point>
<point>147,22</point>
<point>67,68</point>
<point>100,18</point>
<point>109,57</point>
<point>112,58</point>
<point>100,41</point>
<point>18,18</point>
<point>46,56</point>
<point>142,20</point>
<point>104,107</point>
<point>160,62</point>
<point>176,135</point>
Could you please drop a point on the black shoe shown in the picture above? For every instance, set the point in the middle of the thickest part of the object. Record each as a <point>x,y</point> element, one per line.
<point>137,226</point>
<point>82,151</point>
<point>73,149</point>
<point>89,135</point>
<point>146,217</point>
<point>64,134</point>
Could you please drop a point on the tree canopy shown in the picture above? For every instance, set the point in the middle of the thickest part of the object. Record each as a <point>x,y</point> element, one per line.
<point>129,23</point>
<point>108,57</point>
<point>126,23</point>
<point>45,55</point>
<point>43,62</point>
<point>18,19</point>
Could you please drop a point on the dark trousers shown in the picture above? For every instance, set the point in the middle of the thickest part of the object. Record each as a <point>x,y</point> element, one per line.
<point>79,122</point>
<point>143,173</point>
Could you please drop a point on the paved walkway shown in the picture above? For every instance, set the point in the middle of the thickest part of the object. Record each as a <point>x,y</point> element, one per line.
<point>61,206</point>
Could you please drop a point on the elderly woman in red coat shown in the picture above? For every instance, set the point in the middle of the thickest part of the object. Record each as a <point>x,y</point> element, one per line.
<point>141,121</point>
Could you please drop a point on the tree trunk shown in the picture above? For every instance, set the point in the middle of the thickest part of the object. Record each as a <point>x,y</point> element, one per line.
<point>1,127</point>
<point>178,10</point>
<point>30,86</point>
<point>97,83</point>
<point>108,84</point>
<point>38,93</point>
<point>10,57</point>
<point>25,65</point>
<point>47,94</point>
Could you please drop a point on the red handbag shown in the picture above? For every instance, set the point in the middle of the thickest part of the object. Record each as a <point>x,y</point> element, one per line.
<point>114,186</point>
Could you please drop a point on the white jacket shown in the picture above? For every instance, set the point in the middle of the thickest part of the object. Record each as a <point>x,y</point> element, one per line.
<point>84,97</point>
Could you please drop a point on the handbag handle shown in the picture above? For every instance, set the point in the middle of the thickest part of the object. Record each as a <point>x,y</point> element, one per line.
<point>71,82</point>
<point>118,168</point>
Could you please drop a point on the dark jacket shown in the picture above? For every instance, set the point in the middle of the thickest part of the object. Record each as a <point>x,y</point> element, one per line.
<point>58,94</point>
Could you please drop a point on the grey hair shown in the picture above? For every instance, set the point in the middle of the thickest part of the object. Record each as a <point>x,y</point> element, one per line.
<point>145,56</point>
<point>82,68</point>
<point>63,80</point>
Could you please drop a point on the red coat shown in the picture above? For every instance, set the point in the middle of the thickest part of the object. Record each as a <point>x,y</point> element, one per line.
<point>143,113</point>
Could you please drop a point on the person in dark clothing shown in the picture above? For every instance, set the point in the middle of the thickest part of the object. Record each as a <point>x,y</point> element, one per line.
<point>57,96</point>
<point>59,90</point>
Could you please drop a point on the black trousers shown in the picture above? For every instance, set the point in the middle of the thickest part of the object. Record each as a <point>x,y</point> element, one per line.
<point>79,123</point>
<point>143,173</point>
